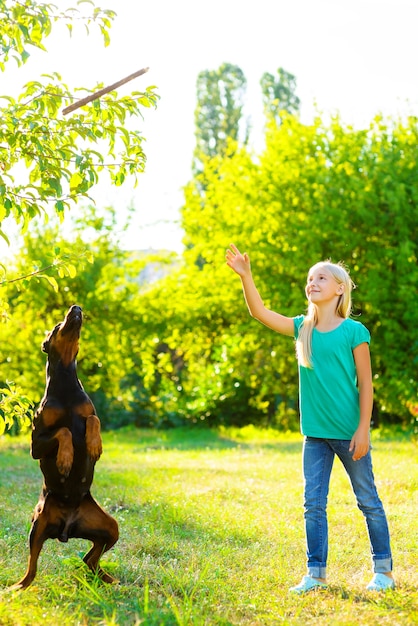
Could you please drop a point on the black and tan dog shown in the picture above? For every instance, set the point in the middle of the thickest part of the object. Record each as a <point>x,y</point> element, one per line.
<point>66,439</point>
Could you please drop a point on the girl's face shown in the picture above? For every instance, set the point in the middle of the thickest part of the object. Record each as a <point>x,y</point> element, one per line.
<point>321,286</point>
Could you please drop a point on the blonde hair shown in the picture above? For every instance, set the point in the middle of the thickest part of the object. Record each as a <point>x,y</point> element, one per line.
<point>343,309</point>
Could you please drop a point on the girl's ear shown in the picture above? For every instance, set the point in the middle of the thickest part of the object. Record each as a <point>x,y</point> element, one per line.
<point>340,289</point>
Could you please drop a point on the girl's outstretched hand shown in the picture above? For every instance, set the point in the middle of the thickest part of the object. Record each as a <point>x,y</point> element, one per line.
<point>238,262</point>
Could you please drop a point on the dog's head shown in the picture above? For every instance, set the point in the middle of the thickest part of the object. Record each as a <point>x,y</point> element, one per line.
<point>62,342</point>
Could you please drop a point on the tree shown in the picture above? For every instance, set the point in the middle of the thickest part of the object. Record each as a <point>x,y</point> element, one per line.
<point>57,166</point>
<point>184,348</point>
<point>317,191</point>
<point>219,111</point>
<point>49,162</point>
<point>115,336</point>
<point>279,94</point>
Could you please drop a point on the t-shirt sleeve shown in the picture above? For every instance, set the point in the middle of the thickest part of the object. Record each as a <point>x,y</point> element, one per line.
<point>297,323</point>
<point>360,335</point>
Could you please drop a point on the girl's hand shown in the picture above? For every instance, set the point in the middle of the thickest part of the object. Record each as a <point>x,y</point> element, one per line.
<point>360,444</point>
<point>238,262</point>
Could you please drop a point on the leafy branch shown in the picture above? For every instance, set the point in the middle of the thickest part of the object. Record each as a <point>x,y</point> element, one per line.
<point>62,265</point>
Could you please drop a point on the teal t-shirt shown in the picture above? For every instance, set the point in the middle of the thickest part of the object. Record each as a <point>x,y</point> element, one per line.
<point>328,393</point>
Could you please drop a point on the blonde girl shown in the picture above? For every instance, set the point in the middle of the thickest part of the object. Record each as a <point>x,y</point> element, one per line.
<point>335,399</point>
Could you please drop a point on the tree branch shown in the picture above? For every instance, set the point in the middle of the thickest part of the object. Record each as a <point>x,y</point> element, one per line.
<point>15,280</point>
<point>102,92</point>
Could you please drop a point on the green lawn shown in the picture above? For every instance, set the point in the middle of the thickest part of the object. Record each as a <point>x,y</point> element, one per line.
<point>211,532</point>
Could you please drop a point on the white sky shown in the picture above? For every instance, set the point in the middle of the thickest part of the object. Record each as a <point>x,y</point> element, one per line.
<point>357,57</point>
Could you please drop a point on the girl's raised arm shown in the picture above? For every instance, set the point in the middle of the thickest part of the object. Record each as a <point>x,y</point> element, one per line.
<point>240,264</point>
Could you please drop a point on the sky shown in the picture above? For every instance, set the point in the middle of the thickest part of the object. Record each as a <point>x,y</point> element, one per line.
<point>357,58</point>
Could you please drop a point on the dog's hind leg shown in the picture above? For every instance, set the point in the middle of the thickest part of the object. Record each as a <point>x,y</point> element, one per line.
<point>94,524</point>
<point>37,537</point>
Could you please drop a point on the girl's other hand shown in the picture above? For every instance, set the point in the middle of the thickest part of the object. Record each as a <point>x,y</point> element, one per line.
<point>360,444</point>
<point>238,262</point>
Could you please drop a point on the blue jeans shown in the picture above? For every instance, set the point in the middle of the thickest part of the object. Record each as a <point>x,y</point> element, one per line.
<point>318,459</point>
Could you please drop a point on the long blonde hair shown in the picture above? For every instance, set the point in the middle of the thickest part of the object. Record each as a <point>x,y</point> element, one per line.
<point>343,309</point>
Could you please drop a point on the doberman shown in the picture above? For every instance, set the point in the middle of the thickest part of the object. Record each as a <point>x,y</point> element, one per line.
<point>66,439</point>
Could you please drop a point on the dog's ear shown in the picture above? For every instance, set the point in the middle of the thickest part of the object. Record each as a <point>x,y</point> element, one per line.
<point>45,345</point>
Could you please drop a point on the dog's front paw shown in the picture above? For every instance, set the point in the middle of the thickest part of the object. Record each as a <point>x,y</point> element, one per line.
<point>65,454</point>
<point>94,448</point>
<point>93,438</point>
<point>65,459</point>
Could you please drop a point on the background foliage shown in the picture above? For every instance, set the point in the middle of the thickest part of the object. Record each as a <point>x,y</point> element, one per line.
<point>48,162</point>
<point>320,191</point>
<point>183,348</point>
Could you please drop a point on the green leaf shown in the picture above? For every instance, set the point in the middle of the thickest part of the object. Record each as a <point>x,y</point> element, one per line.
<point>5,237</point>
<point>72,270</point>
<point>55,184</point>
<point>75,181</point>
<point>51,280</point>
<point>25,56</point>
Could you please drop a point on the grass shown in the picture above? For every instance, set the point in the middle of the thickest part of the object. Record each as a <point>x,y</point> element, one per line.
<point>211,533</point>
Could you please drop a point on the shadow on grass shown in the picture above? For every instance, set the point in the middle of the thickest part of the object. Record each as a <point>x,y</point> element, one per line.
<point>202,439</point>
<point>398,599</point>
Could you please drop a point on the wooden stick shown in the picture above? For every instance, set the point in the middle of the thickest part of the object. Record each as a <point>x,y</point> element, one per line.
<point>102,92</point>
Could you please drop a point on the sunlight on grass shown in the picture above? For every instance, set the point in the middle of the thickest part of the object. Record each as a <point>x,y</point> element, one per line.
<point>211,532</point>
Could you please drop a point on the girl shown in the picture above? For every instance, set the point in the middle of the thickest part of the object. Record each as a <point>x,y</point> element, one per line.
<point>336,397</point>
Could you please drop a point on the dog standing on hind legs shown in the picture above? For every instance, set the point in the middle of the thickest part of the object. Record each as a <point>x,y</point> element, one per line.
<point>66,440</point>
